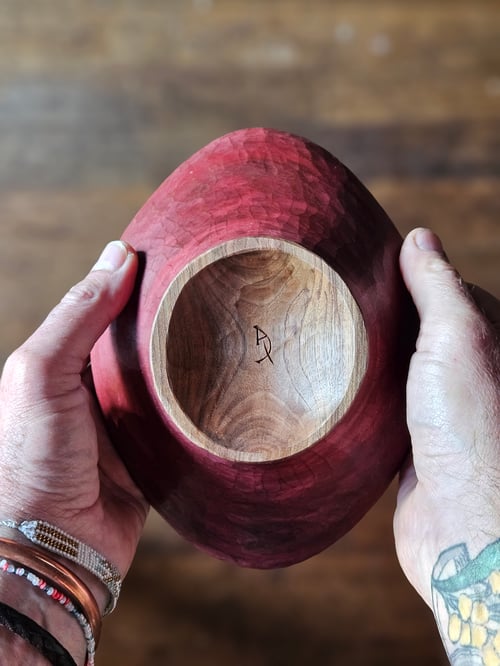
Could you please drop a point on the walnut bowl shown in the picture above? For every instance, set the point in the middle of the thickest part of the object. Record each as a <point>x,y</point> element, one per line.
<point>255,383</point>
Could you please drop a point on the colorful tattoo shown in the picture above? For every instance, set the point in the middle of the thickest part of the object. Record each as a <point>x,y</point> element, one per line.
<point>466,599</point>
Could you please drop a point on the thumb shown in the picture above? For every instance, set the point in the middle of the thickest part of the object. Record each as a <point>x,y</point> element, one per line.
<point>447,312</point>
<point>449,374</point>
<point>57,352</point>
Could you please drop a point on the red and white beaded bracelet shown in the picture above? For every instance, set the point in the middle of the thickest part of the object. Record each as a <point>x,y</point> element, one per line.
<point>47,586</point>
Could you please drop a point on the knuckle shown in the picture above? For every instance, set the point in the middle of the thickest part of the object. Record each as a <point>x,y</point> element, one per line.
<point>18,372</point>
<point>87,291</point>
<point>28,379</point>
<point>447,271</point>
<point>17,364</point>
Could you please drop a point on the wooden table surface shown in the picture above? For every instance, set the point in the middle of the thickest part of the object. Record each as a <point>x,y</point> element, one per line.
<point>101,99</point>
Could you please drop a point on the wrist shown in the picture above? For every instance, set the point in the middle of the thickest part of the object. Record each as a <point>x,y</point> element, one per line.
<point>96,587</point>
<point>58,586</point>
<point>48,614</point>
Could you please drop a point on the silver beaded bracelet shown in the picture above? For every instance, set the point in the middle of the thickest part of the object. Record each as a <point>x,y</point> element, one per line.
<point>61,543</point>
<point>12,567</point>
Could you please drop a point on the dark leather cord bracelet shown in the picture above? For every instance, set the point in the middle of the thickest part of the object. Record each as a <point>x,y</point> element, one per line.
<point>35,635</point>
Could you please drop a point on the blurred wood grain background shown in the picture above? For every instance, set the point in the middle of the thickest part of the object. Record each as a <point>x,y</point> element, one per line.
<point>101,99</point>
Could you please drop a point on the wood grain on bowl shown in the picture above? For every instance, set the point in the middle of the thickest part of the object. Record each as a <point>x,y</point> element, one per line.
<point>258,349</point>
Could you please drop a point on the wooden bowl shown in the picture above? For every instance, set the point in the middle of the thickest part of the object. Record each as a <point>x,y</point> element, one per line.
<point>255,383</point>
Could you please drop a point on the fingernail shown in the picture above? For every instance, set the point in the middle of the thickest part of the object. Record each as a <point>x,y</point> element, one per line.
<point>426,240</point>
<point>112,257</point>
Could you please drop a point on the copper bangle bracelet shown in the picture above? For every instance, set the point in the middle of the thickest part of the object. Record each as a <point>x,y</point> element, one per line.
<point>57,573</point>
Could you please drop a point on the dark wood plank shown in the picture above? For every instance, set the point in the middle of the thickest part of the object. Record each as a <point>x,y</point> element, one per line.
<point>101,99</point>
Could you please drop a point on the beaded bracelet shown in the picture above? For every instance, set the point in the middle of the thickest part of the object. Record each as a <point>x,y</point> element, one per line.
<point>27,629</point>
<point>48,587</point>
<point>64,579</point>
<point>39,563</point>
<point>61,543</point>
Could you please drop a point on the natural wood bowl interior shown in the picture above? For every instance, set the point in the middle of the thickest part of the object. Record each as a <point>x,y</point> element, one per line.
<point>258,349</point>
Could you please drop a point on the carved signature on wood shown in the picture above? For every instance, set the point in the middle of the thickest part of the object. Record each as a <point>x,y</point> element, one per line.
<point>263,338</point>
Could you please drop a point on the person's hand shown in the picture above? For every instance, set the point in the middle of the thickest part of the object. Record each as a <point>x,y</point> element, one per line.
<point>449,494</point>
<point>56,461</point>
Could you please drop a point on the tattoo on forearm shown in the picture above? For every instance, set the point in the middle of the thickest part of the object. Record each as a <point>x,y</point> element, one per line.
<point>466,599</point>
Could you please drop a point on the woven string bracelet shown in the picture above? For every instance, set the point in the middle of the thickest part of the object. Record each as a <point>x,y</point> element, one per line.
<point>61,543</point>
<point>37,636</point>
<point>48,587</point>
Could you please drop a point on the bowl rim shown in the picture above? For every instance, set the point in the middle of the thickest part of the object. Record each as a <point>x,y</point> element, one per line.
<point>165,392</point>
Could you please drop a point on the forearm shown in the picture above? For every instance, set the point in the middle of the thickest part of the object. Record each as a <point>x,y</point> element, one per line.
<point>18,593</point>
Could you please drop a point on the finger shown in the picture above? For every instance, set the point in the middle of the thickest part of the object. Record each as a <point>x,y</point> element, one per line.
<point>407,478</point>
<point>88,379</point>
<point>55,355</point>
<point>488,304</point>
